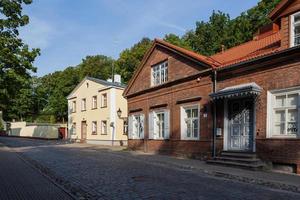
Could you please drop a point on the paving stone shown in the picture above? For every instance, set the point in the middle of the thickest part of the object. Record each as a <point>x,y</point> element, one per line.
<point>115,174</point>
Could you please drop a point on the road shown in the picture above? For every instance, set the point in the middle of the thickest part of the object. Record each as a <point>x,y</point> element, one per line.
<point>100,173</point>
<point>19,180</point>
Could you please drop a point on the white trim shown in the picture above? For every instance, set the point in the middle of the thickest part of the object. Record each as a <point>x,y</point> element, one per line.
<point>134,134</point>
<point>226,127</point>
<point>183,129</point>
<point>292,28</point>
<point>153,127</point>
<point>159,66</point>
<point>270,109</point>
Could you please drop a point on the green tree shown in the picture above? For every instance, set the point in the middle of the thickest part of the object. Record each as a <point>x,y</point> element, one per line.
<point>16,59</point>
<point>98,66</point>
<point>209,37</point>
<point>176,40</point>
<point>130,59</point>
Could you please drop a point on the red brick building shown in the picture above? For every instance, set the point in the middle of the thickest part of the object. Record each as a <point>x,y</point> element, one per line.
<point>244,99</point>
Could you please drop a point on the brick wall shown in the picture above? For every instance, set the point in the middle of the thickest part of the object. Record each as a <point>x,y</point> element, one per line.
<point>179,67</point>
<point>281,75</point>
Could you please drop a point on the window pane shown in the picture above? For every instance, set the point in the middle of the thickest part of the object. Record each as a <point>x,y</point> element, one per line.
<point>189,128</point>
<point>280,101</point>
<point>195,113</point>
<point>297,34</point>
<point>195,123</point>
<point>292,128</point>
<point>188,113</point>
<point>280,116</point>
<point>279,129</point>
<point>292,100</point>
<point>297,18</point>
<point>292,115</point>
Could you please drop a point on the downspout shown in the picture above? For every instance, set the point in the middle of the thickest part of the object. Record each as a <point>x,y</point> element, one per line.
<point>214,115</point>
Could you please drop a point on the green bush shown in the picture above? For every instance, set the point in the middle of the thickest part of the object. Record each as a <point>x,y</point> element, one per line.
<point>1,126</point>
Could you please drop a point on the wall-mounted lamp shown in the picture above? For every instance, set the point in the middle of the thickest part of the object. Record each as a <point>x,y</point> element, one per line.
<point>119,113</point>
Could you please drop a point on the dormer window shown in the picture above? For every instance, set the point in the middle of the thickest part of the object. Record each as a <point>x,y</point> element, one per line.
<point>295,29</point>
<point>159,73</point>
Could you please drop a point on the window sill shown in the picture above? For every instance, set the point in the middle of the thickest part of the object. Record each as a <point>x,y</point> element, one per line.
<point>104,134</point>
<point>93,108</point>
<point>190,139</point>
<point>83,110</point>
<point>103,107</point>
<point>159,85</point>
<point>94,133</point>
<point>160,139</point>
<point>283,137</point>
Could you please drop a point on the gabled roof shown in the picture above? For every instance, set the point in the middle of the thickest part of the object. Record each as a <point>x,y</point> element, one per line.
<point>204,60</point>
<point>279,8</point>
<point>106,83</point>
<point>249,50</point>
<point>99,81</point>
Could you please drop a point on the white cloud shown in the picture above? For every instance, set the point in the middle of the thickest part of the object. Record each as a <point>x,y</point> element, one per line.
<point>38,33</point>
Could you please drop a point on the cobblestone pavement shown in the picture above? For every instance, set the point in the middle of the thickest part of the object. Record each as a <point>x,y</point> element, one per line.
<point>19,180</point>
<point>99,173</point>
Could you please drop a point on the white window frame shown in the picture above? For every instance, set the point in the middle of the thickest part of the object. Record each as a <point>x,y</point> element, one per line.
<point>94,127</point>
<point>104,128</point>
<point>94,102</point>
<point>292,30</point>
<point>104,100</point>
<point>271,100</point>
<point>183,123</point>
<point>134,130</point>
<point>161,71</point>
<point>73,129</point>
<point>83,104</point>
<point>155,127</point>
<point>73,109</point>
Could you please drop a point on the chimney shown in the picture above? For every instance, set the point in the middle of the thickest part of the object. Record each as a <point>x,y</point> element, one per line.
<point>109,80</point>
<point>117,78</point>
<point>223,48</point>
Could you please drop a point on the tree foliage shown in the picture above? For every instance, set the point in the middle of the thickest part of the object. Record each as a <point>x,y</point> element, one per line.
<point>16,59</point>
<point>44,98</point>
<point>130,59</point>
<point>209,37</point>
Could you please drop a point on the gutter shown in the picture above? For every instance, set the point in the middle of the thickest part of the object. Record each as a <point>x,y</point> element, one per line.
<point>214,115</point>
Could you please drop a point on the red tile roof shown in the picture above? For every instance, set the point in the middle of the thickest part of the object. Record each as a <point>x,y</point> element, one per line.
<point>189,53</point>
<point>249,50</point>
<point>244,52</point>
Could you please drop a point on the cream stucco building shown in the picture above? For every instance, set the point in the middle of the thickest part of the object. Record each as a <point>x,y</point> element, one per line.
<point>92,113</point>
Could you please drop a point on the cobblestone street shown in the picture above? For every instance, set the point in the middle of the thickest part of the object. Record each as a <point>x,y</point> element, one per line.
<point>101,173</point>
<point>20,181</point>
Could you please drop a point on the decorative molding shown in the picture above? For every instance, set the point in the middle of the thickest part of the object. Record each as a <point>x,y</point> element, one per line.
<point>135,110</point>
<point>187,100</point>
<point>158,106</point>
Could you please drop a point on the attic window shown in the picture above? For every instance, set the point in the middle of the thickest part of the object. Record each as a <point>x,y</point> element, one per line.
<point>295,29</point>
<point>159,73</point>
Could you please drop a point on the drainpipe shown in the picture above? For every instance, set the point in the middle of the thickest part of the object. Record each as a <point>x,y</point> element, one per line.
<point>214,115</point>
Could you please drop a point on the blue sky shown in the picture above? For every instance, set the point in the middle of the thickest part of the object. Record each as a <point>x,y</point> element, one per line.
<point>68,30</point>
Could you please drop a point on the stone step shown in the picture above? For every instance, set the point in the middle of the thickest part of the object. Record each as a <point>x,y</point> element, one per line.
<point>239,160</point>
<point>238,154</point>
<point>256,166</point>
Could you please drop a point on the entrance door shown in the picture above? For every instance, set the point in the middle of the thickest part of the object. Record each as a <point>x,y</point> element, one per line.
<point>83,130</point>
<point>240,124</point>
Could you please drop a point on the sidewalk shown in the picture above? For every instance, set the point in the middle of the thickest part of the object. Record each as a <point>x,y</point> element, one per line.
<point>289,182</point>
